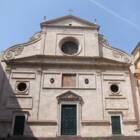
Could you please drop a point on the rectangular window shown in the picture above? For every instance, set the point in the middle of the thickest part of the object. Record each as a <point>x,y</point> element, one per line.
<point>69,80</point>
<point>116,125</point>
<point>19,122</point>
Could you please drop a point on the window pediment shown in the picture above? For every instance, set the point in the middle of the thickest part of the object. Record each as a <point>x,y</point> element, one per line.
<point>69,96</point>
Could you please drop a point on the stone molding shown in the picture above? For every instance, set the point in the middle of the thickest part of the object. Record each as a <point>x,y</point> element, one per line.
<point>90,123</point>
<point>128,122</point>
<point>5,120</point>
<point>42,122</point>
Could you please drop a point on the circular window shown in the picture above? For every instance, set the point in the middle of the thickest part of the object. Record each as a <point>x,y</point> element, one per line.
<point>22,86</point>
<point>114,88</point>
<point>69,47</point>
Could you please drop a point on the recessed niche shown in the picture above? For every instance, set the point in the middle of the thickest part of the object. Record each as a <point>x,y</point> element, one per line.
<point>86,81</point>
<point>52,80</point>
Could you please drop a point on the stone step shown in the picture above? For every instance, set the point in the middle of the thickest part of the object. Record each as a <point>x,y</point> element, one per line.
<point>74,138</point>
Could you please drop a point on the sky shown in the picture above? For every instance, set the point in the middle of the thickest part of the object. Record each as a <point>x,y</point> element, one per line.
<point>119,20</point>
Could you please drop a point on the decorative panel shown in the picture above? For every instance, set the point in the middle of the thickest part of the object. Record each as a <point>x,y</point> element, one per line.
<point>23,75</point>
<point>116,104</point>
<point>87,81</point>
<point>116,77</point>
<point>52,80</point>
<point>19,103</point>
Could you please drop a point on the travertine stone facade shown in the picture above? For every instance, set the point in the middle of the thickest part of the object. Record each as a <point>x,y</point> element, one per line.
<point>67,64</point>
<point>136,61</point>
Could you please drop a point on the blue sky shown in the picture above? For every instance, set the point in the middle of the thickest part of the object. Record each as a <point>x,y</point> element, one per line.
<point>119,19</point>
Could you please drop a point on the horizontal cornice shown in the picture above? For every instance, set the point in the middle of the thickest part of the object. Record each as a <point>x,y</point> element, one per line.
<point>71,27</point>
<point>64,60</point>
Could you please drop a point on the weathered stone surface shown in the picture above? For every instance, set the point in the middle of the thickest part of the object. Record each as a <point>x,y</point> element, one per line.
<point>42,65</point>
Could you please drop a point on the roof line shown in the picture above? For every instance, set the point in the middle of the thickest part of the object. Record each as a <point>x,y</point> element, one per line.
<point>70,16</point>
<point>137,46</point>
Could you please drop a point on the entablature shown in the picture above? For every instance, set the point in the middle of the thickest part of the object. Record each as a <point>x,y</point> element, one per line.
<point>64,60</point>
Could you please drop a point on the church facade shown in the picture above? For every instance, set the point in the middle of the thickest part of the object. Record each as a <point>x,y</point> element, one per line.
<point>67,80</point>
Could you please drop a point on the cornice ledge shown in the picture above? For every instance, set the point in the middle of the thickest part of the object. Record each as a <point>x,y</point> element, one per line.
<point>71,27</point>
<point>127,122</point>
<point>42,122</point>
<point>67,61</point>
<point>5,120</point>
<point>99,122</point>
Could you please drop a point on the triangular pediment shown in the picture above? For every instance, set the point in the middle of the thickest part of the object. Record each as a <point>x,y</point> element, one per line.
<point>70,20</point>
<point>69,96</point>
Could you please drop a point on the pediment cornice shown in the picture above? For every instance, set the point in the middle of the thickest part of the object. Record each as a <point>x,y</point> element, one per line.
<point>69,96</point>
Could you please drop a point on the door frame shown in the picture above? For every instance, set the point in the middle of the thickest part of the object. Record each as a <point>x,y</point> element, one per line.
<point>78,115</point>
